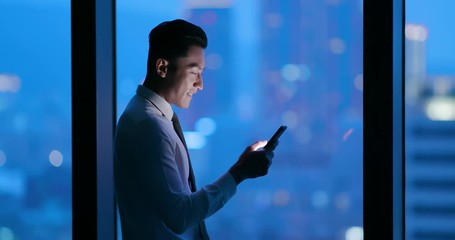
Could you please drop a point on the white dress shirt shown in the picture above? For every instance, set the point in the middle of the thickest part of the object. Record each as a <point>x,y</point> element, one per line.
<point>151,175</point>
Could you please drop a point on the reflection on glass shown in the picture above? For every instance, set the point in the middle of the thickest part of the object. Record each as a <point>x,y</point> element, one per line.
<point>269,63</point>
<point>35,120</point>
<point>430,120</point>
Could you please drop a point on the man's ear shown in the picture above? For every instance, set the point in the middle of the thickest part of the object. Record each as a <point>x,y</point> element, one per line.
<point>162,67</point>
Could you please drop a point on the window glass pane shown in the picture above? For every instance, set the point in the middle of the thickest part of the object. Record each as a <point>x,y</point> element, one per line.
<point>35,120</point>
<point>430,120</point>
<point>268,63</point>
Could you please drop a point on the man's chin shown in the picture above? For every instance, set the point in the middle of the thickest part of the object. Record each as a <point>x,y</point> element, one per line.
<point>183,105</point>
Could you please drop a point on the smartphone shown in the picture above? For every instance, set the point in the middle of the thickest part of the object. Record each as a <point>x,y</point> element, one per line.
<point>275,136</point>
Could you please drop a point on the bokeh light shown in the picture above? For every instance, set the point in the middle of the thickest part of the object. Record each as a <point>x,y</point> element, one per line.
<point>205,126</point>
<point>415,32</point>
<point>354,233</point>
<point>290,119</point>
<point>342,201</point>
<point>281,197</point>
<point>56,158</point>
<point>209,18</point>
<point>291,72</point>
<point>358,82</point>
<point>441,108</point>
<point>337,45</point>
<point>194,140</point>
<point>347,134</point>
<point>213,61</point>
<point>9,83</point>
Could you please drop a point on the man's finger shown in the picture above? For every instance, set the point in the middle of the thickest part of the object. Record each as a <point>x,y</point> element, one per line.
<point>258,144</point>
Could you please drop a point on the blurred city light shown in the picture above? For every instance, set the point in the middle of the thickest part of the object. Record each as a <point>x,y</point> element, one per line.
<point>281,197</point>
<point>9,83</point>
<point>347,134</point>
<point>337,45</point>
<point>213,61</point>
<point>290,119</point>
<point>205,126</point>
<point>209,18</point>
<point>291,72</point>
<point>440,108</point>
<point>415,32</point>
<point>342,201</point>
<point>294,72</point>
<point>358,82</point>
<point>56,158</point>
<point>286,92</point>
<point>354,233</point>
<point>194,140</point>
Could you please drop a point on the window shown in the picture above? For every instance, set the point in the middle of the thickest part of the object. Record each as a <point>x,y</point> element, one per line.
<point>430,116</point>
<point>35,120</point>
<point>268,63</point>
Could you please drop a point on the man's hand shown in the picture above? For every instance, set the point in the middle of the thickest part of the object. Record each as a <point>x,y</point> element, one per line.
<point>253,162</point>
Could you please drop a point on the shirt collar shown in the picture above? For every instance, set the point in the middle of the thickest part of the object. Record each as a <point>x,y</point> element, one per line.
<point>162,105</point>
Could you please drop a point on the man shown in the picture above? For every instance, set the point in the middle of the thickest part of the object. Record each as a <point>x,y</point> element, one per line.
<point>155,186</point>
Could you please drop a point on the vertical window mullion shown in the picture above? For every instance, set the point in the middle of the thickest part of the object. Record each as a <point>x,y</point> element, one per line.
<point>383,119</point>
<point>93,117</point>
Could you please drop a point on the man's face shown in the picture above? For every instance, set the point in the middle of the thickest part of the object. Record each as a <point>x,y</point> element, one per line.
<point>185,78</point>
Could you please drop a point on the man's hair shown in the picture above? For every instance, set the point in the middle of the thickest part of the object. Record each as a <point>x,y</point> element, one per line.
<point>170,40</point>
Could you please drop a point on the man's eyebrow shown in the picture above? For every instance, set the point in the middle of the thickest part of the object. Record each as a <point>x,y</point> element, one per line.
<point>192,65</point>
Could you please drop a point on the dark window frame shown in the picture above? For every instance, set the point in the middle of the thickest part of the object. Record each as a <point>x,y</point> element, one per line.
<point>93,118</point>
<point>384,119</point>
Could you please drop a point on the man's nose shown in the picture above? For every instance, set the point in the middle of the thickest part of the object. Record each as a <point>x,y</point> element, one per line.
<point>199,83</point>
